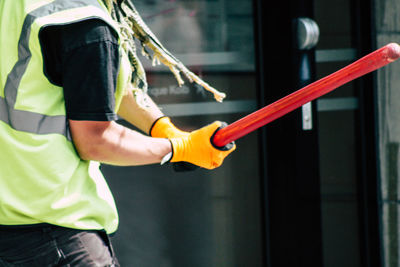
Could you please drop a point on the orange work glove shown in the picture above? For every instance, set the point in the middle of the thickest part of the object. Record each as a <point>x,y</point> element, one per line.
<point>197,148</point>
<point>164,128</point>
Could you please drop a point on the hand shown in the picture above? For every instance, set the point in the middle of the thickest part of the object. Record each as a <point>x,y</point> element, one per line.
<point>196,148</point>
<point>164,128</point>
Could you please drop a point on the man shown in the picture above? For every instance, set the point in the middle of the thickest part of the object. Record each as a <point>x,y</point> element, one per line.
<point>64,78</point>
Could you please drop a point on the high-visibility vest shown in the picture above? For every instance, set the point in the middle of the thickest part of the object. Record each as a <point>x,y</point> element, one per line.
<point>42,178</point>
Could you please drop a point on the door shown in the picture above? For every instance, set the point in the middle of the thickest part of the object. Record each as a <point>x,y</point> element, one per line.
<point>199,218</point>
<point>320,196</point>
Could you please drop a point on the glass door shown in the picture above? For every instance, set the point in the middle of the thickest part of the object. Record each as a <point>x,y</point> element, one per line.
<point>321,202</point>
<point>199,218</point>
<point>346,136</point>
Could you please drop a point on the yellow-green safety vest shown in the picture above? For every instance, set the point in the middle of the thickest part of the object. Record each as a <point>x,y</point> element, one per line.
<point>42,178</point>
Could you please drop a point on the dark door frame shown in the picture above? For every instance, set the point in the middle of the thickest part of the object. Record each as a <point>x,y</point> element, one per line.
<point>367,184</point>
<point>287,178</point>
<point>289,158</point>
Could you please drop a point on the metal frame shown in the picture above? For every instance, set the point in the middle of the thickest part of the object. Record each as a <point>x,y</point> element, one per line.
<point>363,33</point>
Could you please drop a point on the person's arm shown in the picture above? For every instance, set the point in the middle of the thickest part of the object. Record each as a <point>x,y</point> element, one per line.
<point>89,101</point>
<point>141,117</point>
<point>111,143</point>
<point>150,119</point>
<point>89,94</point>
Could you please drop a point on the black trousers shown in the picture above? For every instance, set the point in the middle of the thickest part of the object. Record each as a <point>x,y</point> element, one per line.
<point>51,246</point>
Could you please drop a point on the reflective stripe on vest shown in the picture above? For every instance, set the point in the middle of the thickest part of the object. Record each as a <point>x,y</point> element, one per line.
<point>27,121</point>
<point>32,122</point>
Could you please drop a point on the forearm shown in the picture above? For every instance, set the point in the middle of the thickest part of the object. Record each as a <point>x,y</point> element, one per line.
<point>141,117</point>
<point>111,143</point>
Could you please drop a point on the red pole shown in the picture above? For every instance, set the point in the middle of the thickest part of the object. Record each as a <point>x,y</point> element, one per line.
<point>261,117</point>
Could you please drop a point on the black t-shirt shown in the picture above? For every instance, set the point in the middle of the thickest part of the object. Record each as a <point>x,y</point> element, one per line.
<point>83,58</point>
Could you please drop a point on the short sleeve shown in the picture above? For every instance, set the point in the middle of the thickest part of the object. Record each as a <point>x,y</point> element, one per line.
<point>83,58</point>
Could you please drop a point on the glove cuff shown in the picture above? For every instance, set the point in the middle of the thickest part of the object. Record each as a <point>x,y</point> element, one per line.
<point>156,129</point>
<point>164,128</point>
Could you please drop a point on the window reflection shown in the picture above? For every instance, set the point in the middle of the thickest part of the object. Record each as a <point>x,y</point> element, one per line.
<point>201,218</point>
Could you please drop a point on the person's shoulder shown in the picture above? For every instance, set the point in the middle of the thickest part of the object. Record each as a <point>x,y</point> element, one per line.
<point>86,32</point>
